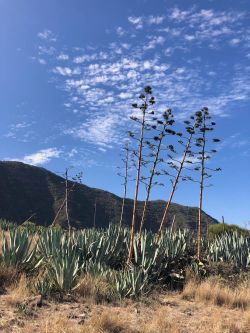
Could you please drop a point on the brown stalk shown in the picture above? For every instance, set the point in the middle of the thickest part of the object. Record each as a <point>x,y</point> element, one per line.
<point>176,180</point>
<point>66,199</point>
<point>94,224</point>
<point>150,183</point>
<point>130,253</point>
<point>201,189</point>
<point>125,182</point>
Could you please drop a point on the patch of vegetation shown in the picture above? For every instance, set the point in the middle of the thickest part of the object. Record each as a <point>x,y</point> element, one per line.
<point>92,262</point>
<point>221,228</point>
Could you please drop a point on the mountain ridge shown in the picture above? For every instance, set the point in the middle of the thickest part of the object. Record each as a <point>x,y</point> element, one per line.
<point>39,192</point>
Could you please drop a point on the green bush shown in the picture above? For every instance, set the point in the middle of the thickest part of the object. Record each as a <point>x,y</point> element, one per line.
<point>219,229</point>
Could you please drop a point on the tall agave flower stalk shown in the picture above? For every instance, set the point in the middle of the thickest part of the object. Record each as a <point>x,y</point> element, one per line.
<point>167,121</point>
<point>67,198</point>
<point>204,125</point>
<point>179,168</point>
<point>69,188</point>
<point>94,219</point>
<point>147,100</point>
<point>125,178</point>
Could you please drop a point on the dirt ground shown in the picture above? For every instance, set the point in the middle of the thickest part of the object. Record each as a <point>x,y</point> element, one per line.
<point>162,313</point>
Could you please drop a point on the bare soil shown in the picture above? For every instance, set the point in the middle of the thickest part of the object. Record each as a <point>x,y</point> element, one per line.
<point>31,314</point>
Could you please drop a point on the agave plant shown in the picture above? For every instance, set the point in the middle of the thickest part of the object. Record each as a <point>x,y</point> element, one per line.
<point>107,247</point>
<point>18,248</point>
<point>230,247</point>
<point>50,242</point>
<point>63,270</point>
<point>43,286</point>
<point>59,255</point>
<point>132,282</point>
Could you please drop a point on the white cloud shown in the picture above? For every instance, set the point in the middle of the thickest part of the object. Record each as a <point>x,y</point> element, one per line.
<point>41,157</point>
<point>47,35</point>
<point>42,61</point>
<point>189,37</point>
<point>126,46</point>
<point>132,74</point>
<point>100,130</point>
<point>62,56</point>
<point>23,124</point>
<point>206,24</point>
<point>154,41</point>
<point>179,15</point>
<point>66,71</point>
<point>147,64</point>
<point>107,79</point>
<point>20,131</point>
<point>72,152</point>
<point>234,41</point>
<point>120,31</point>
<point>155,19</point>
<point>137,21</point>
<point>125,95</point>
<point>83,58</point>
<point>46,50</point>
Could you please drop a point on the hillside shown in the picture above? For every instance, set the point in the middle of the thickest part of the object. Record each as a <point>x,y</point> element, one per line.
<point>26,190</point>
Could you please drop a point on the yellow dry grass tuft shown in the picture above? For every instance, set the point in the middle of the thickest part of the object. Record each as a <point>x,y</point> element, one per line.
<point>111,322</point>
<point>18,291</point>
<point>217,324</point>
<point>95,289</point>
<point>8,276</point>
<point>212,291</point>
<point>160,323</point>
<point>105,322</point>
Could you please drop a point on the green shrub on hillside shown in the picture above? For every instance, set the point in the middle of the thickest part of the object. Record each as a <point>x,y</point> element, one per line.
<point>219,229</point>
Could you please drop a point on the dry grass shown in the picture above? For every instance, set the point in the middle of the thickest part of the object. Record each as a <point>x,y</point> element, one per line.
<point>108,321</point>
<point>112,321</point>
<point>55,324</point>
<point>160,323</point>
<point>8,275</point>
<point>215,308</point>
<point>95,289</point>
<point>212,291</point>
<point>105,322</point>
<point>18,291</point>
<point>218,324</point>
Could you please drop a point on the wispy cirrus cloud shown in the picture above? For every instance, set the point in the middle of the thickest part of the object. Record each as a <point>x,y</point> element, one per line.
<point>21,131</point>
<point>66,71</point>
<point>47,35</point>
<point>100,130</point>
<point>102,82</point>
<point>137,21</point>
<point>62,56</point>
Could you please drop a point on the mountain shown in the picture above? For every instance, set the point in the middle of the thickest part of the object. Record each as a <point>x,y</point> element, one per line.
<point>27,191</point>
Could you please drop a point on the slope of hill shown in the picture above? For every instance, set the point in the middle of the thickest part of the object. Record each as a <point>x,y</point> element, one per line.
<point>27,190</point>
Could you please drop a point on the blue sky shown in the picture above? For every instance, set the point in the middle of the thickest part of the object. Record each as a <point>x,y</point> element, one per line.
<point>69,71</point>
